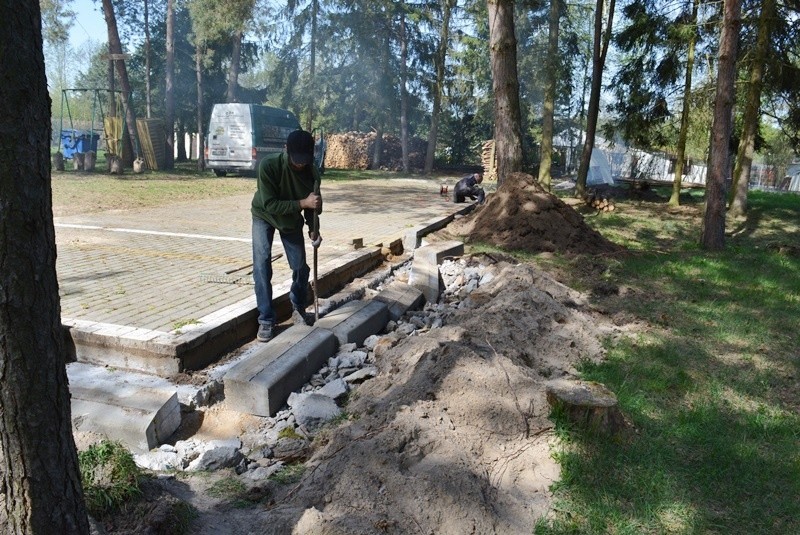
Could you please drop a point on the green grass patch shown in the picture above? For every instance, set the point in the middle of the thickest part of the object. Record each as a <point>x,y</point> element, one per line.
<point>179,324</point>
<point>710,380</point>
<point>110,477</point>
<point>291,473</point>
<point>232,490</point>
<point>181,516</point>
<point>289,432</point>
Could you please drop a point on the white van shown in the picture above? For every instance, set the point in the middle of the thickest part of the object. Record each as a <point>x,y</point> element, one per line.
<point>240,135</point>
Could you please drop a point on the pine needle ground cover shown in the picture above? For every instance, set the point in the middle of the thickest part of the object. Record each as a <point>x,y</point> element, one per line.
<point>710,377</point>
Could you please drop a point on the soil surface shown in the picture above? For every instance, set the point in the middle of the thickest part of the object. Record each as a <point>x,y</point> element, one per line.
<point>452,435</point>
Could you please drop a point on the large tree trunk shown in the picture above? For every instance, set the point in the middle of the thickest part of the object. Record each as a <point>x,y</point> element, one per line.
<point>744,157</point>
<point>680,159</point>
<point>115,51</point>
<point>382,100</point>
<point>712,236</point>
<point>40,485</point>
<point>233,72</point>
<point>169,92</point>
<point>180,142</point>
<point>377,148</point>
<point>549,105</point>
<point>147,57</point>
<point>439,60</point>
<point>201,140</point>
<point>312,68</point>
<point>403,89</point>
<point>598,64</point>
<point>505,84</point>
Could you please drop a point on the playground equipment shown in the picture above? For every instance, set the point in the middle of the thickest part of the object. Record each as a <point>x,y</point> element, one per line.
<point>102,125</point>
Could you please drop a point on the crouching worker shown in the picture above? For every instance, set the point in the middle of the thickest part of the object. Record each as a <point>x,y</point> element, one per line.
<point>468,187</point>
<point>287,196</point>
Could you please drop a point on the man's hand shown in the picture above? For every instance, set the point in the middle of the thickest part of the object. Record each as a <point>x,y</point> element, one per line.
<point>312,202</point>
<point>316,239</point>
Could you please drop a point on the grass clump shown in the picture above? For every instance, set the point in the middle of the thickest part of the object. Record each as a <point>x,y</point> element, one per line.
<point>291,473</point>
<point>232,490</point>
<point>289,432</point>
<point>110,476</point>
<point>181,518</point>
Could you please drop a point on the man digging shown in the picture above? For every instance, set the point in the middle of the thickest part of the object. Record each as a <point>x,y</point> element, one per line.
<point>469,187</point>
<point>287,196</point>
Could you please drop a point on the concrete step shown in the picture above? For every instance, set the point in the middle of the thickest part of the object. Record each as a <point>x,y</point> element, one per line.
<point>399,297</point>
<point>137,410</point>
<point>353,322</point>
<point>261,383</point>
<point>412,239</point>
<point>425,268</point>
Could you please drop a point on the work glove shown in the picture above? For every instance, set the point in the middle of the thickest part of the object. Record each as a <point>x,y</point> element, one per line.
<point>315,240</point>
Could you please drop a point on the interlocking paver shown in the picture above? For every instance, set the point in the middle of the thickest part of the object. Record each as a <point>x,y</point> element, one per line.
<point>158,279</point>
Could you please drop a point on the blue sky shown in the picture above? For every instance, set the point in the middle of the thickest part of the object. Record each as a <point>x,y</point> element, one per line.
<point>89,24</point>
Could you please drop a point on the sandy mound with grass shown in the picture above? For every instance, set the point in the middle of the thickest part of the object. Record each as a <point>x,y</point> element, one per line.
<point>451,435</point>
<point>522,216</point>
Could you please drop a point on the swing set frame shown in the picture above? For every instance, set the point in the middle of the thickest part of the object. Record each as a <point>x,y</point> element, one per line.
<point>98,96</point>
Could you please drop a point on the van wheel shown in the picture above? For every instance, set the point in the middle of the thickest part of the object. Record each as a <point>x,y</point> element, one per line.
<point>219,173</point>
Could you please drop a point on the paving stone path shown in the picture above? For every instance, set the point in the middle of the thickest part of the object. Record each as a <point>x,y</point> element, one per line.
<point>152,268</point>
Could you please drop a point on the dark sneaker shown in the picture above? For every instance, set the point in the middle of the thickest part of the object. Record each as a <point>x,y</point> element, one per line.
<point>300,318</point>
<point>264,332</point>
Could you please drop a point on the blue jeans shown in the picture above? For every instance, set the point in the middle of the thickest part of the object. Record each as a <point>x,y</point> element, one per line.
<point>294,247</point>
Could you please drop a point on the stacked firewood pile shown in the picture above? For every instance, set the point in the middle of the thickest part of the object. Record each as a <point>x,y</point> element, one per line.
<point>353,150</point>
<point>599,200</point>
<point>489,161</point>
<point>349,150</point>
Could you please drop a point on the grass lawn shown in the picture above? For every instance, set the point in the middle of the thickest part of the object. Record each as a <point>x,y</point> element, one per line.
<point>77,192</point>
<point>710,377</point>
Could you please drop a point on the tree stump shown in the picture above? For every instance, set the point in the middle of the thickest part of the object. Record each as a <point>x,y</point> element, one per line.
<point>78,160</point>
<point>588,404</point>
<point>58,161</point>
<point>114,164</point>
<point>89,161</point>
<point>138,165</point>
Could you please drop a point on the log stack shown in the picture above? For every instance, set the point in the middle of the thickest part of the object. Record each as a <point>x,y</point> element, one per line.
<point>353,150</point>
<point>350,150</point>
<point>599,201</point>
<point>489,161</point>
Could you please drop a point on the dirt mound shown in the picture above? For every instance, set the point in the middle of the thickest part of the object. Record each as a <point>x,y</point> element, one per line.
<point>522,216</point>
<point>353,150</point>
<point>452,436</point>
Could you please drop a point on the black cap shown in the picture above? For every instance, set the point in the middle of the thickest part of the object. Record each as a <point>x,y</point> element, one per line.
<point>300,147</point>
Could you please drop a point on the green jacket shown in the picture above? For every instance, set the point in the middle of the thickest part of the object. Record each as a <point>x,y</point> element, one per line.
<point>280,189</point>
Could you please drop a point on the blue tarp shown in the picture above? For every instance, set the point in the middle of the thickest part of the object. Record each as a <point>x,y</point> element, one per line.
<point>73,141</point>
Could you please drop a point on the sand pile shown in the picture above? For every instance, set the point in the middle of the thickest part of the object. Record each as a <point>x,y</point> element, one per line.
<point>523,216</point>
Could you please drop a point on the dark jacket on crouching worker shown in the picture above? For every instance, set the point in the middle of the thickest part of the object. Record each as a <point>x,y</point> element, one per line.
<point>468,187</point>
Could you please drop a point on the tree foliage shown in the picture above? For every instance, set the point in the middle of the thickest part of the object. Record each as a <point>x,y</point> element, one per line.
<point>340,65</point>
